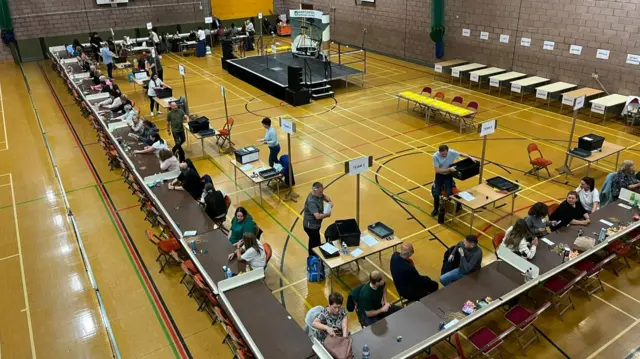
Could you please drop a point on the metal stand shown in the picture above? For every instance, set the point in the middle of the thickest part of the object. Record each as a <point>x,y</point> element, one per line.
<point>484,149</point>
<point>291,195</point>
<point>565,168</point>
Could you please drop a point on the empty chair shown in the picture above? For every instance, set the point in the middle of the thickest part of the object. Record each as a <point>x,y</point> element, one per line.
<point>468,121</point>
<point>165,248</point>
<point>458,100</point>
<point>439,96</point>
<point>497,241</point>
<point>224,134</point>
<point>473,106</point>
<point>591,282</point>
<point>621,250</point>
<point>487,342</point>
<point>522,318</point>
<point>537,163</point>
<point>426,91</point>
<point>560,289</point>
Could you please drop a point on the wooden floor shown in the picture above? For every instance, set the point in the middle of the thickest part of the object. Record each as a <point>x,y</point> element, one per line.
<point>49,309</point>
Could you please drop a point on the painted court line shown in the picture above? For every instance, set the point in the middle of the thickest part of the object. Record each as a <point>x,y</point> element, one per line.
<point>8,257</point>
<point>4,122</point>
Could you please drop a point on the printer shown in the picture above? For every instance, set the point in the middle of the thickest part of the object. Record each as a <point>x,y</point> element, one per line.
<point>590,142</point>
<point>247,154</point>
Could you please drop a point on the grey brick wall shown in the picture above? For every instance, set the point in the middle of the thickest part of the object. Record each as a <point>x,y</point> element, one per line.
<point>43,18</point>
<point>401,27</point>
<point>5,53</point>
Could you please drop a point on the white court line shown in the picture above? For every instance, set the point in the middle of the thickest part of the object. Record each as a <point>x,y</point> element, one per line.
<point>8,257</point>
<point>5,185</point>
<point>4,122</point>
<point>24,280</point>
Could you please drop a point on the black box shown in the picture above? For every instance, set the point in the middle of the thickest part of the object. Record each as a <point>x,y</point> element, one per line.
<point>590,142</point>
<point>349,232</point>
<point>164,93</point>
<point>298,98</point>
<point>466,168</point>
<point>199,124</point>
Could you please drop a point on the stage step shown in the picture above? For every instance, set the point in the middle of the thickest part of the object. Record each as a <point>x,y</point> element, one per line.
<point>321,88</point>
<point>318,96</point>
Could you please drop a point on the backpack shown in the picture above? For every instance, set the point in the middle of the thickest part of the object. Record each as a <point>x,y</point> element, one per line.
<point>315,269</point>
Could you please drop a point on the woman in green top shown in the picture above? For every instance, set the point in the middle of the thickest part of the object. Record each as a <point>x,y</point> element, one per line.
<point>241,223</point>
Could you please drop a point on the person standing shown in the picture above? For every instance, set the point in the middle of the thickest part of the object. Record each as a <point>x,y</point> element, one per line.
<point>313,214</point>
<point>201,49</point>
<point>107,59</point>
<point>95,45</point>
<point>271,140</point>
<point>153,37</point>
<point>175,125</point>
<point>442,161</point>
<point>154,84</point>
<point>155,65</point>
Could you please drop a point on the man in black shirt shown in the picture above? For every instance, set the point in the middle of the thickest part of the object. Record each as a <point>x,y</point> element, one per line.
<point>190,182</point>
<point>569,212</point>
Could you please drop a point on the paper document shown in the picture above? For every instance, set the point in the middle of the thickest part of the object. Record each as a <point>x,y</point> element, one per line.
<point>189,233</point>
<point>329,248</point>
<point>466,196</point>
<point>327,208</point>
<point>624,206</point>
<point>606,222</point>
<point>115,125</point>
<point>245,168</point>
<point>356,252</point>
<point>369,240</point>
<point>545,240</point>
<point>451,323</point>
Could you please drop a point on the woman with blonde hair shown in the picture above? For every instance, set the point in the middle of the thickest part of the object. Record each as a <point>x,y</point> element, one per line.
<point>625,178</point>
<point>517,239</point>
<point>250,251</point>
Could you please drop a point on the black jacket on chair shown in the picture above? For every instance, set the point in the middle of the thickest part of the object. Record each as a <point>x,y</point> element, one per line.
<point>409,283</point>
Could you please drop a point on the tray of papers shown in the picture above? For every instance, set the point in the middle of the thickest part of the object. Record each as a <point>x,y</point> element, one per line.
<point>380,229</point>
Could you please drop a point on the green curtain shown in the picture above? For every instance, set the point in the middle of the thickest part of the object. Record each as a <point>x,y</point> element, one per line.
<point>437,23</point>
<point>5,16</point>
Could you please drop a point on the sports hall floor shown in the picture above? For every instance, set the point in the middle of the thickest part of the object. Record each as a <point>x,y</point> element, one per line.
<point>47,305</point>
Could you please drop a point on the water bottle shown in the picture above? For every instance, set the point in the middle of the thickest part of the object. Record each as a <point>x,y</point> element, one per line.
<point>365,352</point>
<point>580,233</point>
<point>193,245</point>
<point>229,273</point>
<point>224,270</point>
<point>344,248</point>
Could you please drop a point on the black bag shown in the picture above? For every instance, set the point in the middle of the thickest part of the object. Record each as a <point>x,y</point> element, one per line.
<point>199,124</point>
<point>449,266</point>
<point>164,93</point>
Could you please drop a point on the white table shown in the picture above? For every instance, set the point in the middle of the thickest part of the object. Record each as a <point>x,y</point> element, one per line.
<point>476,76</point>
<point>185,45</point>
<point>545,92</point>
<point>459,71</point>
<point>600,105</point>
<point>568,98</point>
<point>497,80</point>
<point>519,85</point>
<point>440,66</point>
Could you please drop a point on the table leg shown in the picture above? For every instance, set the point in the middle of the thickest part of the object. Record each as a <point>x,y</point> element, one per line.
<point>617,159</point>
<point>278,189</point>
<point>331,280</point>
<point>398,105</point>
<point>473,214</point>
<point>604,116</point>
<point>202,144</point>
<point>513,205</point>
<point>235,176</point>
<point>260,188</point>
<point>588,168</point>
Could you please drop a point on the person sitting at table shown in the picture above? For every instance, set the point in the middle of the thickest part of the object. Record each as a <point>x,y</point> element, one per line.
<point>77,44</point>
<point>624,178</point>
<point>149,129</point>
<point>569,212</point>
<point>409,283</point>
<point>70,50</point>
<point>213,201</point>
<point>241,223</point>
<point>190,182</point>
<point>155,84</point>
<point>168,162</point>
<point>118,104</point>
<point>520,239</point>
<point>135,123</point>
<point>332,320</point>
<point>158,144</point>
<point>127,117</point>
<point>143,64</point>
<point>92,74</point>
<point>588,194</point>
<point>234,30</point>
<point>470,257</point>
<point>250,251</point>
<point>372,300</point>
<point>536,219</point>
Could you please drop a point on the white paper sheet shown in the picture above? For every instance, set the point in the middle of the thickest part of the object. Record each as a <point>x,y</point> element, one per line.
<point>246,168</point>
<point>369,240</point>
<point>329,248</point>
<point>606,222</point>
<point>545,240</point>
<point>624,206</point>
<point>356,252</point>
<point>466,196</point>
<point>327,208</point>
<point>189,233</point>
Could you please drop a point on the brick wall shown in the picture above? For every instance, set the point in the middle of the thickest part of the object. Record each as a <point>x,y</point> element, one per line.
<point>401,27</point>
<point>5,52</point>
<point>44,18</point>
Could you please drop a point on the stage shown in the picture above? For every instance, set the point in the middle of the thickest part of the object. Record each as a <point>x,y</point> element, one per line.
<point>274,78</point>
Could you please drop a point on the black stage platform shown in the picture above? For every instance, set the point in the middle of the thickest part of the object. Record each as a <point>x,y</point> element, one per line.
<point>274,79</point>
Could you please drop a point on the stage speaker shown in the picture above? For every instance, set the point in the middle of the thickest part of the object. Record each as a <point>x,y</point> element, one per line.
<point>294,77</point>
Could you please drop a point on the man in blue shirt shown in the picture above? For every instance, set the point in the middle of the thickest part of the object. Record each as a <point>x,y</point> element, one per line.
<point>107,59</point>
<point>442,160</point>
<point>271,140</point>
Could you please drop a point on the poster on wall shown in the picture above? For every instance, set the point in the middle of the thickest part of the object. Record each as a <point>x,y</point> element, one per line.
<point>575,50</point>
<point>525,41</point>
<point>549,45</point>
<point>466,32</point>
<point>484,35</point>
<point>602,54</point>
<point>633,59</point>
<point>504,39</point>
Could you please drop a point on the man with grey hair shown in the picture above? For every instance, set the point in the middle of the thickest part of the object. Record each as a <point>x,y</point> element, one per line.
<point>313,214</point>
<point>409,283</point>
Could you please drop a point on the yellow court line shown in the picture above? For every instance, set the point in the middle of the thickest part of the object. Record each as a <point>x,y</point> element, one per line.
<point>5,185</point>
<point>24,279</point>
<point>618,336</point>
<point>286,281</point>
<point>288,285</point>
<point>4,121</point>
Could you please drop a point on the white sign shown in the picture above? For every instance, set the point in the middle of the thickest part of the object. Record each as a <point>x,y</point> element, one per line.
<point>149,26</point>
<point>575,50</point>
<point>504,39</point>
<point>466,32</point>
<point>602,54</point>
<point>525,41</point>
<point>494,82</point>
<point>549,45</point>
<point>633,59</point>
<point>287,126</point>
<point>208,20</point>
<point>222,91</point>
<point>596,107</point>
<point>474,77</point>
<point>438,68</point>
<point>541,94</point>
<point>484,35</point>
<point>487,128</point>
<point>112,34</point>
<point>516,88</point>
<point>274,49</point>
<point>259,15</point>
<point>579,103</point>
<point>181,69</point>
<point>455,73</point>
<point>358,166</point>
<point>306,13</point>
<point>567,100</point>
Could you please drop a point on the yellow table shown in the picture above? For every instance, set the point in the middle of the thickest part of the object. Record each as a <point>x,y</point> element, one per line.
<point>462,116</point>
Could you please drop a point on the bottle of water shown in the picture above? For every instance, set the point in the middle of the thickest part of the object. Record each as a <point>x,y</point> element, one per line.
<point>224,270</point>
<point>365,352</point>
<point>193,245</point>
<point>344,248</point>
<point>229,273</point>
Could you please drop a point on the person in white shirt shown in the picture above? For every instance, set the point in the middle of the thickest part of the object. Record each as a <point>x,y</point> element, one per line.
<point>136,124</point>
<point>517,239</point>
<point>251,31</point>
<point>201,47</point>
<point>588,194</point>
<point>155,39</point>
<point>251,251</point>
<point>154,84</point>
<point>117,104</point>
<point>158,145</point>
<point>127,117</point>
<point>168,161</point>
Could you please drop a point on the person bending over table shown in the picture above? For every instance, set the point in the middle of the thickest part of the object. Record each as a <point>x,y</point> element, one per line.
<point>470,256</point>
<point>190,181</point>
<point>520,239</point>
<point>155,84</point>
<point>332,320</point>
<point>409,283</point>
<point>313,214</point>
<point>271,140</point>
<point>250,251</point>
<point>157,144</point>
<point>625,178</point>
<point>442,160</point>
<point>107,58</point>
<point>536,219</point>
<point>241,223</point>
<point>168,162</point>
<point>569,212</point>
<point>372,300</point>
<point>175,125</point>
<point>588,195</point>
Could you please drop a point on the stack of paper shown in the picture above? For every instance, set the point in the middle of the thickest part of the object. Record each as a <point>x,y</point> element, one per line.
<point>466,196</point>
<point>329,248</point>
<point>356,252</point>
<point>369,240</point>
<point>245,168</point>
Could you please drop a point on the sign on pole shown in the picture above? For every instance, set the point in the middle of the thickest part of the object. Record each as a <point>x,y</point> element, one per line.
<point>259,15</point>
<point>181,69</point>
<point>149,26</point>
<point>579,103</point>
<point>358,166</point>
<point>287,126</point>
<point>487,128</point>
<point>222,90</point>
<point>208,20</point>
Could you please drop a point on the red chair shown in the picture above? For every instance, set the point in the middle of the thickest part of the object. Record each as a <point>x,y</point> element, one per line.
<point>458,100</point>
<point>497,241</point>
<point>268,253</point>
<point>539,162</point>
<point>487,342</point>
<point>473,106</point>
<point>469,120</point>
<point>523,320</point>
<point>165,248</point>
<point>560,289</point>
<point>439,96</point>
<point>224,134</point>
<point>426,90</point>
<point>552,208</point>
<point>591,282</point>
<point>621,250</point>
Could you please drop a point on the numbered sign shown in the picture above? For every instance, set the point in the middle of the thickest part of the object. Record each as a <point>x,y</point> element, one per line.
<point>149,26</point>
<point>358,166</point>
<point>633,59</point>
<point>466,32</point>
<point>575,50</point>
<point>602,54</point>
<point>208,20</point>
<point>549,45</point>
<point>504,39</point>
<point>567,100</point>
<point>474,77</point>
<point>287,126</point>
<point>596,107</point>
<point>541,94</point>
<point>525,41</point>
<point>488,127</point>
<point>438,68</point>
<point>580,104</point>
<point>484,35</point>
<point>455,73</point>
<point>494,82</point>
<point>181,69</point>
<point>516,88</point>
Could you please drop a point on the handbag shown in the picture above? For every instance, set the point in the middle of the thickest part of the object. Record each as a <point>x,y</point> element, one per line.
<point>339,347</point>
<point>584,243</point>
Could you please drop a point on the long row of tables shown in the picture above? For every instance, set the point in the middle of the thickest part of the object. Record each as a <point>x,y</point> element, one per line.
<point>263,322</point>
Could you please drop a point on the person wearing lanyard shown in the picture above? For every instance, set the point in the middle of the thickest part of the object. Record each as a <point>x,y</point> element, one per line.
<point>201,46</point>
<point>313,214</point>
<point>271,139</point>
<point>442,160</point>
<point>107,59</point>
<point>154,84</point>
<point>155,65</point>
